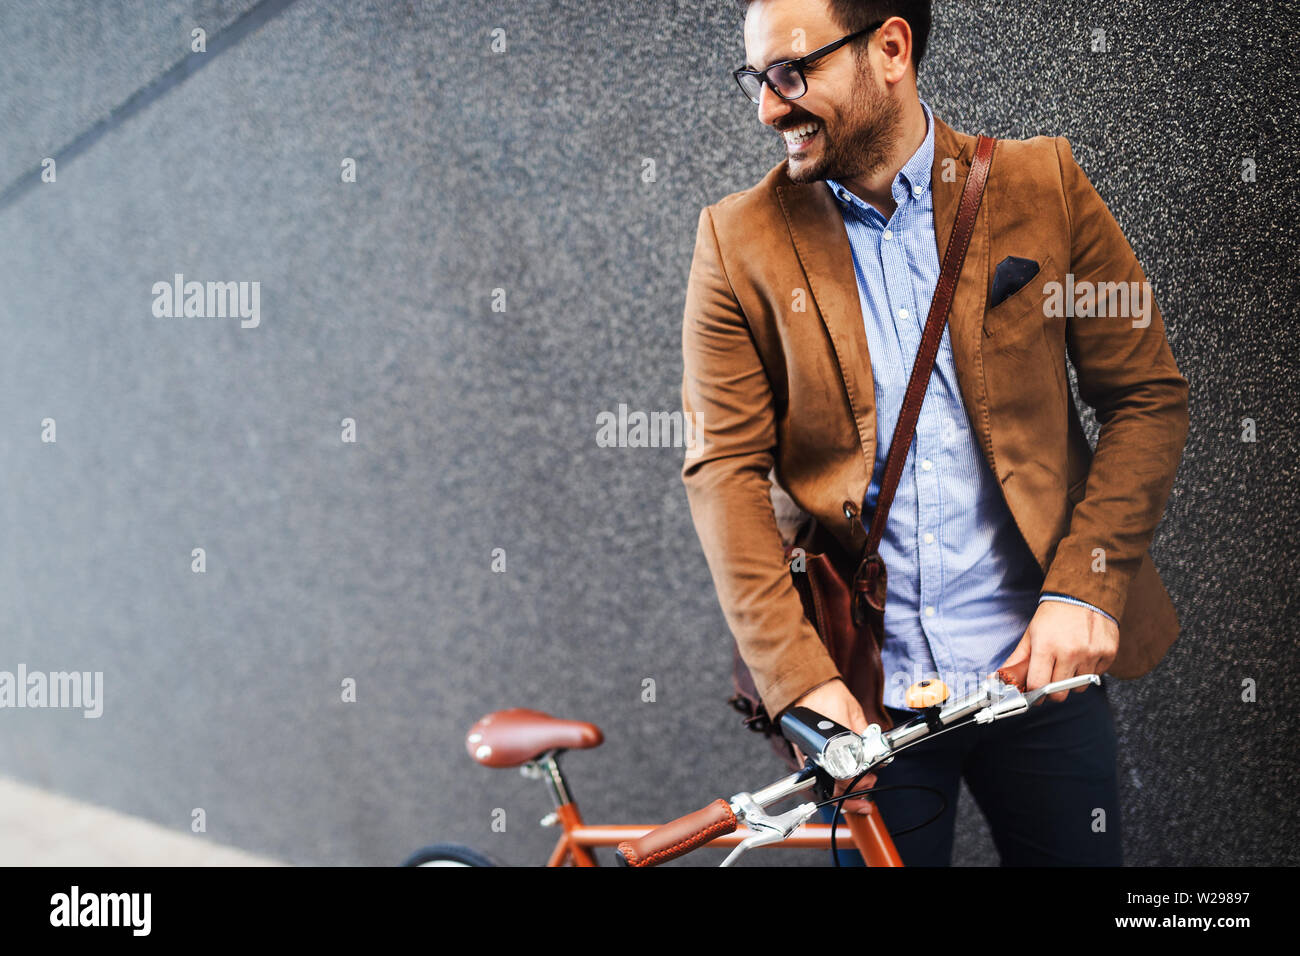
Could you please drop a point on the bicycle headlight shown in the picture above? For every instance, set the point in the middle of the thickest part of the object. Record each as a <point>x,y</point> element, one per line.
<point>835,748</point>
<point>842,755</point>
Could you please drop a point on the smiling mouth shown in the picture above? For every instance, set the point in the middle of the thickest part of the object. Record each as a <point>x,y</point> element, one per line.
<point>797,138</point>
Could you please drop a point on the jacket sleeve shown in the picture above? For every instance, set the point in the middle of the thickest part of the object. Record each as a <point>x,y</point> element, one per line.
<point>728,400</point>
<point>1127,373</point>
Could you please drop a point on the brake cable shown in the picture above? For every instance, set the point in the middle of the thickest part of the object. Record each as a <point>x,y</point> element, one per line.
<point>852,794</point>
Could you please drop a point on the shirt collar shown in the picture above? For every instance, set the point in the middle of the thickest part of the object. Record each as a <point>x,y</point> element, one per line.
<point>912,180</point>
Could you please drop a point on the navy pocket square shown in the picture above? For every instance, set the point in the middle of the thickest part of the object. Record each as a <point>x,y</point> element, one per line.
<point>1012,275</point>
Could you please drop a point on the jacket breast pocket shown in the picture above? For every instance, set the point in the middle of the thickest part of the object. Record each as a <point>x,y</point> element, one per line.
<point>1021,314</point>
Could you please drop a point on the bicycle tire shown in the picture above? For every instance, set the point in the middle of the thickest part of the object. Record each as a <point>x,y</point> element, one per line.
<point>449,854</point>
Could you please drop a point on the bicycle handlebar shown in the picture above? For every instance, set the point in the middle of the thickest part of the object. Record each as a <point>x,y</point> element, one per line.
<point>679,837</point>
<point>843,754</point>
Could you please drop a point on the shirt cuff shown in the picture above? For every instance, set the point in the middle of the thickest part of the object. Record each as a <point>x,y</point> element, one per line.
<point>1053,596</point>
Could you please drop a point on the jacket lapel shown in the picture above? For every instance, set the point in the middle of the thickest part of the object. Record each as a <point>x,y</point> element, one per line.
<point>822,245</point>
<point>966,320</point>
<point>948,178</point>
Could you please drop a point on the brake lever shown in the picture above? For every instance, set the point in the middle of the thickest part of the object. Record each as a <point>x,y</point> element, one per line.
<point>768,829</point>
<point>1070,683</point>
<point>1016,701</point>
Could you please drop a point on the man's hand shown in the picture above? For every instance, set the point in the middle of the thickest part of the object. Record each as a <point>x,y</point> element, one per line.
<point>833,700</point>
<point>1064,640</point>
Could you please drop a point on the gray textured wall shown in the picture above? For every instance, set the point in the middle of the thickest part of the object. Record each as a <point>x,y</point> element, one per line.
<point>476,428</point>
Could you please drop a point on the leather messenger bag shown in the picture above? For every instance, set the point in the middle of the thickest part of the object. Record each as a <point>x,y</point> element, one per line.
<point>844,595</point>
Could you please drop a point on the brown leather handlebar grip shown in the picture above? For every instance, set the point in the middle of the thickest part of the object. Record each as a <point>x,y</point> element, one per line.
<point>679,837</point>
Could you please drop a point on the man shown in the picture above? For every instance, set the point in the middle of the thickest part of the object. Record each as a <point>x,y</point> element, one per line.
<point>1009,538</point>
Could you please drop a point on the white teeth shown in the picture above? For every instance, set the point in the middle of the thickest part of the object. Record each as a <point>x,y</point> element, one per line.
<point>800,133</point>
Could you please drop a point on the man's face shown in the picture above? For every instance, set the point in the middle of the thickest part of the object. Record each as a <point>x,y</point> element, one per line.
<point>855,120</point>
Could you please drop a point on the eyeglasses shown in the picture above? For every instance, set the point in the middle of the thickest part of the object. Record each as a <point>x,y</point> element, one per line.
<point>786,78</point>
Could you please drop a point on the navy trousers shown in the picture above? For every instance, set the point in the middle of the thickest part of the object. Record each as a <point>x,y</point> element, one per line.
<point>1045,782</point>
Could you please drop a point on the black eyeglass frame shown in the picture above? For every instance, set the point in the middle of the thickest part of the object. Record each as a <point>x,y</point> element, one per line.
<point>797,65</point>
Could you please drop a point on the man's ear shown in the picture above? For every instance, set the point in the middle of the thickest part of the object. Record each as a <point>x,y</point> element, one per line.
<point>895,39</point>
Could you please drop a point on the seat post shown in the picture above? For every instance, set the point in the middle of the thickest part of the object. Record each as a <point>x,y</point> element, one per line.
<point>549,765</point>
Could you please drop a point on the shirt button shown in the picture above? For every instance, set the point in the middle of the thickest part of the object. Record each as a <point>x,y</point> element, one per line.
<point>926,465</point>
<point>902,313</point>
<point>929,538</point>
<point>929,610</point>
<point>917,190</point>
<point>888,235</point>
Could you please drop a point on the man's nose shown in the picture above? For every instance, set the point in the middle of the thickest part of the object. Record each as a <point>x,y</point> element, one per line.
<point>771,107</point>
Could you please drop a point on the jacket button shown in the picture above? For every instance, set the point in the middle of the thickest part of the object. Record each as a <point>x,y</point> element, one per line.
<point>850,509</point>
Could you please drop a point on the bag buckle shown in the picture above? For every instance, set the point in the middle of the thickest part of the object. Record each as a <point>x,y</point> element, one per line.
<point>868,588</point>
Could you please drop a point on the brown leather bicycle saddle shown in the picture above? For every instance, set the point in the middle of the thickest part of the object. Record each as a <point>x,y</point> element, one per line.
<point>508,738</point>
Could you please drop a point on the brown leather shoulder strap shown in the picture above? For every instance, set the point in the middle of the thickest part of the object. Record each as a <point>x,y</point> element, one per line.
<point>940,306</point>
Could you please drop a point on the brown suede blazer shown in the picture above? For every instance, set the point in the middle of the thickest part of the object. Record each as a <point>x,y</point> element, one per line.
<point>778,386</point>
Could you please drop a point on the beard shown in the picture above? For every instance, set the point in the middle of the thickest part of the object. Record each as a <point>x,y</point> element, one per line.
<point>861,142</point>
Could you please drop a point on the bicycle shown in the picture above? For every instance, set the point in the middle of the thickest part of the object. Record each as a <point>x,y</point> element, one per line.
<point>532,741</point>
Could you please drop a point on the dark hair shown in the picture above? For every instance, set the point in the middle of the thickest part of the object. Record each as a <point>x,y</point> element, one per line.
<point>854,15</point>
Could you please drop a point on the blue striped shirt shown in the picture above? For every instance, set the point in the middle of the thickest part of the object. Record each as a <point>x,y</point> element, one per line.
<point>962,583</point>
